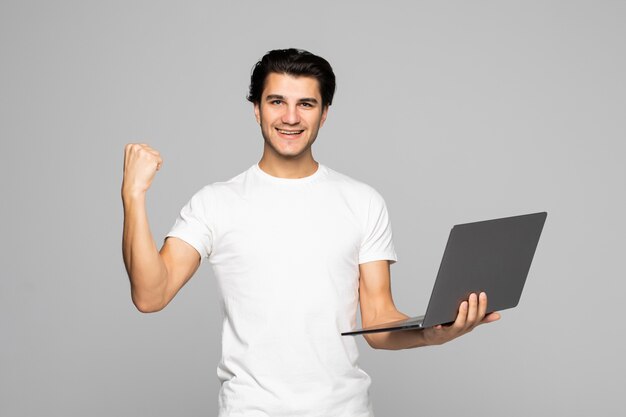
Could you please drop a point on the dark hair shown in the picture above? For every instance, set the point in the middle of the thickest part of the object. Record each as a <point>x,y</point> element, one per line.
<point>296,62</point>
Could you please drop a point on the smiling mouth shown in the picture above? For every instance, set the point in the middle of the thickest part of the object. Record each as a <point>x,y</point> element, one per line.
<point>289,132</point>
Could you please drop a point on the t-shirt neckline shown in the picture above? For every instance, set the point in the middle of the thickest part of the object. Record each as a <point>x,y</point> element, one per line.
<point>318,173</point>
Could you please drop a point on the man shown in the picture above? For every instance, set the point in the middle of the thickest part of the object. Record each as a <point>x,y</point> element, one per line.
<point>295,246</point>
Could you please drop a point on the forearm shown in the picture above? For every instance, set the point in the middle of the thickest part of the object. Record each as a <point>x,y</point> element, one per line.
<point>397,340</point>
<point>145,267</point>
<point>405,339</point>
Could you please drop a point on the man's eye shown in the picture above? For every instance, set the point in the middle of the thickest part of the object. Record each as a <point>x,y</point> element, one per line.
<point>275,101</point>
<point>306,104</point>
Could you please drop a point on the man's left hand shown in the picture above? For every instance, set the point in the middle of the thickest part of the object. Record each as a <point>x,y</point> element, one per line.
<point>471,314</point>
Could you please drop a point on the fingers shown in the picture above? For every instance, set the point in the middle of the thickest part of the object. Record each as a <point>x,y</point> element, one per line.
<point>472,312</point>
<point>461,317</point>
<point>134,147</point>
<point>482,306</point>
<point>141,162</point>
<point>468,314</point>
<point>491,317</point>
<point>142,149</point>
<point>477,310</point>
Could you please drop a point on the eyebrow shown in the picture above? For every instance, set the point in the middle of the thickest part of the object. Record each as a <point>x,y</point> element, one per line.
<point>308,100</point>
<point>271,97</point>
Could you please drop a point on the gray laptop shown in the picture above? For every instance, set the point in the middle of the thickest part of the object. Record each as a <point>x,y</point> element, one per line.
<point>492,256</point>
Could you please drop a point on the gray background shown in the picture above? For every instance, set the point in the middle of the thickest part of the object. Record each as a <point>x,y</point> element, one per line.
<point>454,111</point>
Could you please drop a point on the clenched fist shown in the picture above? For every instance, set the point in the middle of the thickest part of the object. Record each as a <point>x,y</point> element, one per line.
<point>141,163</point>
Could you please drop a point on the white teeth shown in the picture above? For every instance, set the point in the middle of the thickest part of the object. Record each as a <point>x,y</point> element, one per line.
<point>289,132</point>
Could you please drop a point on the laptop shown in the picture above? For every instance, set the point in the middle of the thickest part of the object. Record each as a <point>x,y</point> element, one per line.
<point>492,256</point>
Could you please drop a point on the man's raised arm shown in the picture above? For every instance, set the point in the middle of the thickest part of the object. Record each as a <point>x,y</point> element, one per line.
<point>155,277</point>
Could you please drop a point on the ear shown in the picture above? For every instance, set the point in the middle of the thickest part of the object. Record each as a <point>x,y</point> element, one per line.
<point>257,112</point>
<point>324,114</point>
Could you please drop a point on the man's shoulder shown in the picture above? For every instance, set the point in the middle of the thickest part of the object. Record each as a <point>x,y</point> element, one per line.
<point>222,187</point>
<point>350,184</point>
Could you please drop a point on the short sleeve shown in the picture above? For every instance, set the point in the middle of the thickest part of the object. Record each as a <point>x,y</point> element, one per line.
<point>377,242</point>
<point>192,224</point>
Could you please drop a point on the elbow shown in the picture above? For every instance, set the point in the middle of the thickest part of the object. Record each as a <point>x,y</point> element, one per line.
<point>382,341</point>
<point>147,306</point>
<point>373,341</point>
<point>144,308</point>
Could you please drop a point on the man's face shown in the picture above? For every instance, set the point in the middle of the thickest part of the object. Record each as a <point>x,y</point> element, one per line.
<point>290,113</point>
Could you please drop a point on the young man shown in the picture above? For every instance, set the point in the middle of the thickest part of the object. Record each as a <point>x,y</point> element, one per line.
<point>295,246</point>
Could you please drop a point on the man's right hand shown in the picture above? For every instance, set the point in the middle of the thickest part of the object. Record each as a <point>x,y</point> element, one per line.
<point>141,163</point>
<point>155,276</point>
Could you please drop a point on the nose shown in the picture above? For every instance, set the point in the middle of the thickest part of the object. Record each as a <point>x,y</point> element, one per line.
<point>291,115</point>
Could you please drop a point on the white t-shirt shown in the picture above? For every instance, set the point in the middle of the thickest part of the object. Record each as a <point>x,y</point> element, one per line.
<point>286,254</point>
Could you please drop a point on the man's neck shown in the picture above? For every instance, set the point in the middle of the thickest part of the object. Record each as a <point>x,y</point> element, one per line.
<point>288,168</point>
